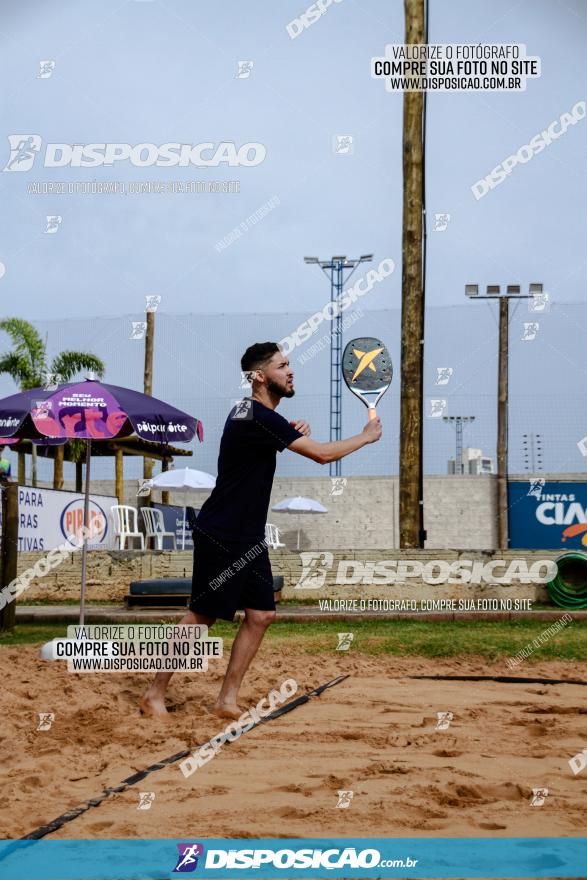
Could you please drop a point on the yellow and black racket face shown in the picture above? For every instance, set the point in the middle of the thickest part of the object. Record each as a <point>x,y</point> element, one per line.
<point>367,368</point>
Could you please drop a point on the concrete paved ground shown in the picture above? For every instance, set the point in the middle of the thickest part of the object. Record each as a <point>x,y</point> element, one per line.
<point>290,613</point>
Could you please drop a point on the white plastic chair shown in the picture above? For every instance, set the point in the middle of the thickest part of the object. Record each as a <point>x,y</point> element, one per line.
<point>272,537</point>
<point>155,527</point>
<point>125,523</point>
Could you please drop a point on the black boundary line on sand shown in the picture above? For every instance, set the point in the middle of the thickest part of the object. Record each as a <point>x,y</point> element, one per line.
<point>70,815</point>
<point>504,679</point>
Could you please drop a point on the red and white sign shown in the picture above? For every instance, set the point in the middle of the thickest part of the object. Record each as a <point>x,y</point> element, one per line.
<point>46,517</point>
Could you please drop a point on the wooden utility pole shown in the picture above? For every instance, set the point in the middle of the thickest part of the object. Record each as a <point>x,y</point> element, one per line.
<point>58,467</point>
<point>165,495</point>
<point>148,381</point>
<point>79,477</point>
<point>33,466</point>
<point>8,552</point>
<point>145,501</point>
<point>502,425</point>
<point>410,479</point>
<point>119,475</point>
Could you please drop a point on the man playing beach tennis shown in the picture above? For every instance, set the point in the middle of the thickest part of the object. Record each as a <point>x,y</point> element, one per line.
<point>231,562</point>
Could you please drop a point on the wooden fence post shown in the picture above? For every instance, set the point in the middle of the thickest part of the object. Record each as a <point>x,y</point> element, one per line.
<point>8,552</point>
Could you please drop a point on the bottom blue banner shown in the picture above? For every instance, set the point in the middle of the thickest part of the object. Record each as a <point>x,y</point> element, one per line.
<point>294,857</point>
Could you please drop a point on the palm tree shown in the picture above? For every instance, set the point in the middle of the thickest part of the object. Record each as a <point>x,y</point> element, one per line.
<point>28,366</point>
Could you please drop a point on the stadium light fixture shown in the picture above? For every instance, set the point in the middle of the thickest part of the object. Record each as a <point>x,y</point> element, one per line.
<point>493,291</point>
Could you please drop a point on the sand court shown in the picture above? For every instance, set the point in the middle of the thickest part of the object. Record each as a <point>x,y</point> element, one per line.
<point>469,772</point>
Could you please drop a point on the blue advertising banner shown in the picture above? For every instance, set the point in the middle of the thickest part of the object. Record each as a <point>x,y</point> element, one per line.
<point>294,857</point>
<point>174,522</point>
<point>547,515</point>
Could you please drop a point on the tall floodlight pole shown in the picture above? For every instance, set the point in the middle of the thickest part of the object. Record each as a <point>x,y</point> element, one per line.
<point>334,269</point>
<point>493,291</point>
<point>458,422</point>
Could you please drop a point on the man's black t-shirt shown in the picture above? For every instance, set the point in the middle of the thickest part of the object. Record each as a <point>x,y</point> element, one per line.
<point>237,508</point>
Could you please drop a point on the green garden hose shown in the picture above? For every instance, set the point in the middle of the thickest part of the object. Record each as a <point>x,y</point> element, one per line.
<point>568,588</point>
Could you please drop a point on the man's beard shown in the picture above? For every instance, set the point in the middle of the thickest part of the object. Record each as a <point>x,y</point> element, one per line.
<point>278,389</point>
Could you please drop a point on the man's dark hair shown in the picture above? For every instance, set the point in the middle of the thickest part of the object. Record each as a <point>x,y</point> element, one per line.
<point>257,355</point>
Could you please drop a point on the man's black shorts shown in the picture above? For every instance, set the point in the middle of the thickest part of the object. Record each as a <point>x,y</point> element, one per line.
<point>229,575</point>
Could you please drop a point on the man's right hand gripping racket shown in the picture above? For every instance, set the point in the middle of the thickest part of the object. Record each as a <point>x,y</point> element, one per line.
<point>367,370</point>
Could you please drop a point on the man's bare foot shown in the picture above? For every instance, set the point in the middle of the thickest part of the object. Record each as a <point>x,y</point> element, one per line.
<point>227,710</point>
<point>153,706</point>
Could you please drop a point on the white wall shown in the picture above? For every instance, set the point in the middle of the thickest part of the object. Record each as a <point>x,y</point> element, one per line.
<point>459,511</point>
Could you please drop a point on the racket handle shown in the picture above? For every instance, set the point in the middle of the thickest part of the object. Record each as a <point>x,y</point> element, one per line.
<point>372,413</point>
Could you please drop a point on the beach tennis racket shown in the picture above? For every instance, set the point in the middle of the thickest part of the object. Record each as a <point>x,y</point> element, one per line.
<point>367,370</point>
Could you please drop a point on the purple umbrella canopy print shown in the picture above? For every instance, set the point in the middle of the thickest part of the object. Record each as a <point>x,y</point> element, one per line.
<point>92,411</point>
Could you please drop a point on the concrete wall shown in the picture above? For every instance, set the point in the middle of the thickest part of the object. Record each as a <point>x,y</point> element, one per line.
<point>459,511</point>
<point>110,573</point>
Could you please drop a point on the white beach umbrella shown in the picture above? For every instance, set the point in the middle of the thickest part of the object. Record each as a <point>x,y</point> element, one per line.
<point>183,480</point>
<point>299,505</point>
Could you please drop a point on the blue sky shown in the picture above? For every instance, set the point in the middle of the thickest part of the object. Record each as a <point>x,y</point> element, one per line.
<point>160,72</point>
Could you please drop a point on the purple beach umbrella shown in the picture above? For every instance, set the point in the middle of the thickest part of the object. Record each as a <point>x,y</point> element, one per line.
<point>92,411</point>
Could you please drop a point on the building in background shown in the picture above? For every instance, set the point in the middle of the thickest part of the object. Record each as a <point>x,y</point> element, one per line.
<point>473,462</point>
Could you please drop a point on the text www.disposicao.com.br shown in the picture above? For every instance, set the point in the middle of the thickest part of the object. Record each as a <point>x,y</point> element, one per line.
<point>135,664</point>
